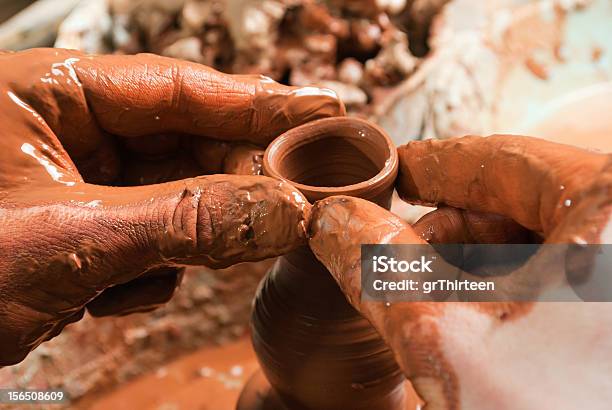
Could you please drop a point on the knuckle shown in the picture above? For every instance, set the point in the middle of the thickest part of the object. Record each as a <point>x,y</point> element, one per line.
<point>180,237</point>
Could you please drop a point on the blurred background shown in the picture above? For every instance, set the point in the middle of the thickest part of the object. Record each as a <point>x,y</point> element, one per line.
<point>419,68</point>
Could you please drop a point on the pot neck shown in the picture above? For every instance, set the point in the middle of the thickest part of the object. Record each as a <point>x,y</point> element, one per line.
<point>335,156</point>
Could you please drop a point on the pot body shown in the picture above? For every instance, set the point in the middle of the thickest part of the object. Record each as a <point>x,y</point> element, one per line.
<point>316,351</point>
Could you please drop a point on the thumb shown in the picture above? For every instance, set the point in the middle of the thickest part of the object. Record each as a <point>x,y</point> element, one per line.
<point>338,227</point>
<point>109,235</point>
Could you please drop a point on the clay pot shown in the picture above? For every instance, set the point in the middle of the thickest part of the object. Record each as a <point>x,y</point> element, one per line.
<point>335,156</point>
<point>315,350</point>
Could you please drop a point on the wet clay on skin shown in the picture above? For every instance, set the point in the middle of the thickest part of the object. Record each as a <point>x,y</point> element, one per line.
<point>71,120</point>
<point>75,102</point>
<point>315,350</point>
<point>244,159</point>
<point>462,172</point>
<point>339,226</point>
<point>537,183</point>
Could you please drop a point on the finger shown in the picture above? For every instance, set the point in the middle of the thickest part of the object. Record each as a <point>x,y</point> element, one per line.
<point>143,294</point>
<point>59,327</point>
<point>244,159</point>
<point>220,157</point>
<point>46,85</point>
<point>109,235</point>
<point>217,157</point>
<point>148,94</point>
<point>49,84</point>
<point>453,225</point>
<point>339,225</point>
<point>590,220</point>
<point>531,181</point>
<point>24,328</point>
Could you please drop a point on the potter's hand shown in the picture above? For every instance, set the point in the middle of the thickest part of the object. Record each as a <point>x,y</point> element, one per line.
<point>486,355</point>
<point>70,120</point>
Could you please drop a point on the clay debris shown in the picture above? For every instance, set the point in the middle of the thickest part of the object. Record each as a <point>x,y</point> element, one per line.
<point>356,48</point>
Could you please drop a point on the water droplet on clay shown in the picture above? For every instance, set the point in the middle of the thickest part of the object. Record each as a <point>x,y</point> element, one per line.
<point>567,203</point>
<point>206,372</point>
<point>580,241</point>
<point>236,371</point>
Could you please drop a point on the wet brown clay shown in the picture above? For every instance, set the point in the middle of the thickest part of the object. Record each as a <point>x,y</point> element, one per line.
<point>72,120</point>
<point>315,350</point>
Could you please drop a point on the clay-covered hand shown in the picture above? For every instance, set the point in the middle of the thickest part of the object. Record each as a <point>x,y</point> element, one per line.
<point>83,137</point>
<point>481,355</point>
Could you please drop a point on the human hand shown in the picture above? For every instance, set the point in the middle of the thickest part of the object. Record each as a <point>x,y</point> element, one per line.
<point>503,355</point>
<point>73,123</point>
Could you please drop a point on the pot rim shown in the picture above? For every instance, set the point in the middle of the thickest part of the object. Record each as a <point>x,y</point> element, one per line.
<point>304,134</point>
